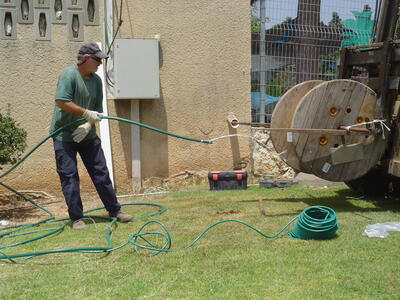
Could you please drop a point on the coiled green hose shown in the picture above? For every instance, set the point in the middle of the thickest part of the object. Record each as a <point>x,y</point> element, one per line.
<point>314,223</point>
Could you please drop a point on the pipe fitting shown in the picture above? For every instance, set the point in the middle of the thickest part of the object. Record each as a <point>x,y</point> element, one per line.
<point>232,120</point>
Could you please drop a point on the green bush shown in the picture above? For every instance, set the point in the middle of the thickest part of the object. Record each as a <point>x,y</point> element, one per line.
<point>12,140</point>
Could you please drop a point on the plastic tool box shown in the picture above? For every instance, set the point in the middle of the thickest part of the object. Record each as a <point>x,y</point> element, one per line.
<point>227,180</point>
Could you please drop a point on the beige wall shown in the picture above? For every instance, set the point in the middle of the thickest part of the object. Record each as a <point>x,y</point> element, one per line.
<point>28,75</point>
<point>204,75</point>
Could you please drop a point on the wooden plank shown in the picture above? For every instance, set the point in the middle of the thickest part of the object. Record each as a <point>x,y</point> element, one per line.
<point>370,110</point>
<point>308,109</point>
<point>282,118</point>
<point>394,167</point>
<point>357,114</point>
<point>316,116</point>
<point>371,56</point>
<point>394,163</point>
<point>364,58</point>
<point>347,101</point>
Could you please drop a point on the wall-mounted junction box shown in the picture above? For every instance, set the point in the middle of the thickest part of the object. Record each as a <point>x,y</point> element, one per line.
<point>136,69</point>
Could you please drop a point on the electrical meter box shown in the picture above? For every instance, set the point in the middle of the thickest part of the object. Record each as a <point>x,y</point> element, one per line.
<point>136,69</point>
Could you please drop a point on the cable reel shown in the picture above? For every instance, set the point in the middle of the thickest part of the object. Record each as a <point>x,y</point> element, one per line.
<point>336,104</point>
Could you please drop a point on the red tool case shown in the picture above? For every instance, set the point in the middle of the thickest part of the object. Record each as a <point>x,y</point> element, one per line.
<point>227,180</point>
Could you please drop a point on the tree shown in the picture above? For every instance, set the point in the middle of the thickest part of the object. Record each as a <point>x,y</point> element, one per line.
<point>336,21</point>
<point>255,24</point>
<point>12,140</point>
<point>367,7</point>
<point>255,20</point>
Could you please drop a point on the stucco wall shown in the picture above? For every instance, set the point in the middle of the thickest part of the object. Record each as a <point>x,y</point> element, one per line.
<point>204,75</point>
<point>28,75</point>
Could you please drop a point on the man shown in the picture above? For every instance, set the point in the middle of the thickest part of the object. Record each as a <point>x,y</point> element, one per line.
<point>79,94</point>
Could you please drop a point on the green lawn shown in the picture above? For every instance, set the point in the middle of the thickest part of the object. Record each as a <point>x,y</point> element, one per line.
<point>230,262</point>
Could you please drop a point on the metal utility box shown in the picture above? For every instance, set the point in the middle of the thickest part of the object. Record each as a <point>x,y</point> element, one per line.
<point>136,69</point>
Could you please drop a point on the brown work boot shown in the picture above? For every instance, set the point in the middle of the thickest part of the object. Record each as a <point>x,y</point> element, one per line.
<point>121,217</point>
<point>79,224</point>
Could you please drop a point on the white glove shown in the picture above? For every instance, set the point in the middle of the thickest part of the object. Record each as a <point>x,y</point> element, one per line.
<point>92,116</point>
<point>81,132</point>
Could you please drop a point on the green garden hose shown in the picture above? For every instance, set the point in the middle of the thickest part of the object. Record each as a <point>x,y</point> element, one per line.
<point>317,222</point>
<point>54,133</point>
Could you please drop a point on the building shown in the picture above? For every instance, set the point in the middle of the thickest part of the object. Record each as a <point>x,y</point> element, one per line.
<point>204,74</point>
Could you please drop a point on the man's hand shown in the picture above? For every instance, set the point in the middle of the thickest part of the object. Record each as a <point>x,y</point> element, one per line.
<point>92,116</point>
<point>81,132</point>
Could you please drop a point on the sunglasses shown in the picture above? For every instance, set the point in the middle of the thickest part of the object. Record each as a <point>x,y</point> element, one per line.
<point>96,58</point>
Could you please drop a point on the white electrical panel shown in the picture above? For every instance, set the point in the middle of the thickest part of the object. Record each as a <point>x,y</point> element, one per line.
<point>136,69</point>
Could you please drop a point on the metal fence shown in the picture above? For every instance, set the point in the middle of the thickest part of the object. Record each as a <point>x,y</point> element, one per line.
<point>301,42</point>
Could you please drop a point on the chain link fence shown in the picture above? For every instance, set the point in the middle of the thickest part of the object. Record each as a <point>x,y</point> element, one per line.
<point>301,42</point>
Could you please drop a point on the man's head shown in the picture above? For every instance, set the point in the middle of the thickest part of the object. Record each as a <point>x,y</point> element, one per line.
<point>90,50</point>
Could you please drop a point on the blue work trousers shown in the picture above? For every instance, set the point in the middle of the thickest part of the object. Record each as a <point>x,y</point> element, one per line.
<point>93,158</point>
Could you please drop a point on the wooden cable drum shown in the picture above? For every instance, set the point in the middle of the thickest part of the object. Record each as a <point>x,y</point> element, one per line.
<point>329,105</point>
<point>282,118</point>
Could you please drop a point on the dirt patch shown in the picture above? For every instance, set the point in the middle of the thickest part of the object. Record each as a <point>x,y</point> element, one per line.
<point>228,212</point>
<point>17,210</point>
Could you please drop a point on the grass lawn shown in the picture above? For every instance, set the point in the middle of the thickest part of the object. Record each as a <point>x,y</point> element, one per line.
<point>230,262</point>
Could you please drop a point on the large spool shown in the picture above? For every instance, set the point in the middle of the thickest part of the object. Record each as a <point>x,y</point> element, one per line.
<point>282,118</point>
<point>329,105</point>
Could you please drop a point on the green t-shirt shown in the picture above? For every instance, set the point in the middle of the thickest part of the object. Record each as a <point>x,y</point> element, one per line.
<point>85,92</point>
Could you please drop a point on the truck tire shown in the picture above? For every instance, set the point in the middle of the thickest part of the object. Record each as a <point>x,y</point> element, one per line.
<point>395,186</point>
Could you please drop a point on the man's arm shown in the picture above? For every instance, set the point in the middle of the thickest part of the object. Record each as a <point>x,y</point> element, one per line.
<point>70,107</point>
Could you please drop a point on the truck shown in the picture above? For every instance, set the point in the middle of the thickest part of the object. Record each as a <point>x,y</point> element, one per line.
<point>348,129</point>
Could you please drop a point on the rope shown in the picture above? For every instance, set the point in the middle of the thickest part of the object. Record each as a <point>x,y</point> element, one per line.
<point>381,122</point>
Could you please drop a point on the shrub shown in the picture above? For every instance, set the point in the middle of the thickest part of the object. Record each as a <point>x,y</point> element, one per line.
<point>12,140</point>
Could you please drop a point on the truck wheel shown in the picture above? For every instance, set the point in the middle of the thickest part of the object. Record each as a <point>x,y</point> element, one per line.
<point>395,186</point>
<point>374,183</point>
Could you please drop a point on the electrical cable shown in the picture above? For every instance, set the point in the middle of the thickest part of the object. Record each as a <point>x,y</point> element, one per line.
<point>118,27</point>
<point>109,81</point>
<point>316,222</point>
<point>378,4</point>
